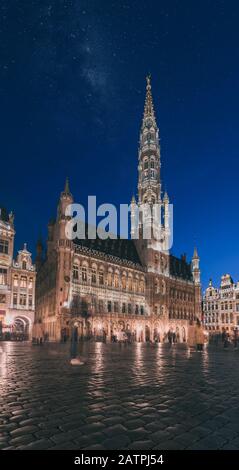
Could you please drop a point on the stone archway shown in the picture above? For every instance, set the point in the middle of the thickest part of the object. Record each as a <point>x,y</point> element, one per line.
<point>21,328</point>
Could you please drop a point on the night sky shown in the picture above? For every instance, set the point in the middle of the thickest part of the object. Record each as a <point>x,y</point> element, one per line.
<point>72,88</point>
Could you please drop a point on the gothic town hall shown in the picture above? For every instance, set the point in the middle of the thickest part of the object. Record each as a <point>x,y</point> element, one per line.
<point>115,288</point>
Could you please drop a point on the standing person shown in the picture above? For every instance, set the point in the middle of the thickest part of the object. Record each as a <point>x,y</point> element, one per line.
<point>235,338</point>
<point>199,335</point>
<point>170,337</point>
<point>191,335</point>
<point>226,340</point>
<point>74,346</point>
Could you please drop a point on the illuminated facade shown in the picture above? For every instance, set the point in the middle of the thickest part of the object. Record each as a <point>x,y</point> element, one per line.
<point>118,287</point>
<point>17,282</point>
<point>221,305</point>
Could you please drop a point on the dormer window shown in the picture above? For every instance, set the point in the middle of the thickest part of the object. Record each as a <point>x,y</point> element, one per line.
<point>24,265</point>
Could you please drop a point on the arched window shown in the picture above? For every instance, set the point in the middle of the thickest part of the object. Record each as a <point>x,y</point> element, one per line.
<point>75,272</point>
<point>142,286</point>
<point>110,279</point>
<point>84,273</point>
<point>123,281</point>
<point>116,280</point>
<point>130,283</point>
<point>23,281</point>
<point>93,276</point>
<point>101,277</point>
<point>24,265</point>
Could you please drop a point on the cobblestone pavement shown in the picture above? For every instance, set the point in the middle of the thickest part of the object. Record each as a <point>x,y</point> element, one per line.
<point>125,397</point>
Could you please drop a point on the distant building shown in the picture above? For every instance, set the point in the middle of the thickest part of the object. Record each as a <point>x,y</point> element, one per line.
<point>221,305</point>
<point>17,283</point>
<point>115,287</point>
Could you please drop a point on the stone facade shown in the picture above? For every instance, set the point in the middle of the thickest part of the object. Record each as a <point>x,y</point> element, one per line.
<point>17,282</point>
<point>118,287</point>
<point>221,306</point>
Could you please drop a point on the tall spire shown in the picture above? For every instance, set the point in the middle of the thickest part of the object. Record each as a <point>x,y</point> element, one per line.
<point>149,184</point>
<point>148,106</point>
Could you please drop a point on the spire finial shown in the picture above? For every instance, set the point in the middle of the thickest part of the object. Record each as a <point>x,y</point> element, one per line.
<point>67,187</point>
<point>148,107</point>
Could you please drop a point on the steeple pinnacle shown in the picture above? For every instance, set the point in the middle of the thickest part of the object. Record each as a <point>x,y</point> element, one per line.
<point>195,253</point>
<point>148,107</point>
<point>67,187</point>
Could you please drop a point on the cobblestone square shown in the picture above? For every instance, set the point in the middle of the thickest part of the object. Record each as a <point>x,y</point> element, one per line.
<point>138,396</point>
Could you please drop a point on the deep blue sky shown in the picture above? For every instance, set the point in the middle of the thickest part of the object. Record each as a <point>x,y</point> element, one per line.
<point>72,86</point>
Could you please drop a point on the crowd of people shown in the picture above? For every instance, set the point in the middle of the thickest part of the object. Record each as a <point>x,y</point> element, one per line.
<point>226,338</point>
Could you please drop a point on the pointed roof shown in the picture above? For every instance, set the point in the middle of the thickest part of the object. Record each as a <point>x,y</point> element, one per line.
<point>166,198</point>
<point>148,106</point>
<point>195,253</point>
<point>66,191</point>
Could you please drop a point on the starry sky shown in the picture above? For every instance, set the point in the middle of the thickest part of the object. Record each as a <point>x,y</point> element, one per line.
<point>72,88</point>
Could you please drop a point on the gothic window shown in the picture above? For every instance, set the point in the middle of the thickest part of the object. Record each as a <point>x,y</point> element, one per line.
<point>110,279</point>
<point>129,308</point>
<point>75,272</point>
<point>101,277</point>
<point>123,307</point>
<point>116,280</point>
<point>4,244</point>
<point>23,281</point>
<point>142,286</point>
<point>146,164</point>
<point>152,164</point>
<point>14,298</point>
<point>24,265</point>
<point>93,276</point>
<point>15,281</point>
<point>109,306</point>
<point>116,307</point>
<point>141,310</point>
<point>3,276</point>
<point>84,274</point>
<point>123,281</point>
